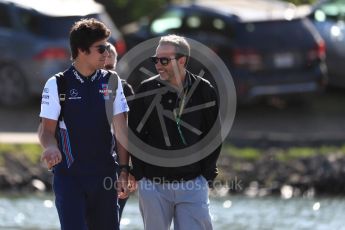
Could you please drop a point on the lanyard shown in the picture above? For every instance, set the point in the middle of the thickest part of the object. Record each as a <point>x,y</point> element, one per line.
<point>178,117</point>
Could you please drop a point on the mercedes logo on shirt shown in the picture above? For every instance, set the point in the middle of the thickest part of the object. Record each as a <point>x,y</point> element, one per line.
<point>73,94</point>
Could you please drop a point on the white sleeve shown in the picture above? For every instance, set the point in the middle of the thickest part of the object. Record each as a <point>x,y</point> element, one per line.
<point>120,102</point>
<point>50,104</point>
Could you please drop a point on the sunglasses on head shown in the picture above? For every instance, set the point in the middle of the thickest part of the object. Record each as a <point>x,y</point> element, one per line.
<point>102,48</point>
<point>163,60</point>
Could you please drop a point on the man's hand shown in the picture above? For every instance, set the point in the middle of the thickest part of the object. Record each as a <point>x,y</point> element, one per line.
<point>51,156</point>
<point>122,185</point>
<point>46,133</point>
<point>132,183</point>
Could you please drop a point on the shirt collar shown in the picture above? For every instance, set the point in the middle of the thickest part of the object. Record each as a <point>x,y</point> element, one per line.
<point>81,78</point>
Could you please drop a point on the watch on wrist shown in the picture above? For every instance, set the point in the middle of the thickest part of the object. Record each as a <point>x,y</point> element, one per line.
<point>124,168</point>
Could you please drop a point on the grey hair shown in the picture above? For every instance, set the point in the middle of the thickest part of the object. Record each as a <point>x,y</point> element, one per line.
<point>180,43</point>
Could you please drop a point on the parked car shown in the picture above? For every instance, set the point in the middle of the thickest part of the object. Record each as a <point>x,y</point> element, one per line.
<point>329,19</point>
<point>34,43</point>
<point>268,48</point>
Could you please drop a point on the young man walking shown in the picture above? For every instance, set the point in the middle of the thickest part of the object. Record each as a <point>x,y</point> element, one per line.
<point>76,136</point>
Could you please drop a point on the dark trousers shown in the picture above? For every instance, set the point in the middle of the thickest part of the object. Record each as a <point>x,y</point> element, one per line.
<point>86,202</point>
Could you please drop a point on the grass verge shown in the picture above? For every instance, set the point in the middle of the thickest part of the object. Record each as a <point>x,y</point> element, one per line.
<point>31,152</point>
<point>281,154</point>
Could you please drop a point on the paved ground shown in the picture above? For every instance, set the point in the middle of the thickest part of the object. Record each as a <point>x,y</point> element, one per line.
<point>321,121</point>
<point>19,125</point>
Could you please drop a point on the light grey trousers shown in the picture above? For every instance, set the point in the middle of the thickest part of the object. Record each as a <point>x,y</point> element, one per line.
<point>184,203</point>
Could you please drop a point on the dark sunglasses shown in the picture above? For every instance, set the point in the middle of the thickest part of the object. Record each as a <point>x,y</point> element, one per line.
<point>163,60</point>
<point>102,48</point>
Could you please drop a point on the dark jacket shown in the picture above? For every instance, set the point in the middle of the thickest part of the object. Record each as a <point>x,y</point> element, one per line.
<point>152,133</point>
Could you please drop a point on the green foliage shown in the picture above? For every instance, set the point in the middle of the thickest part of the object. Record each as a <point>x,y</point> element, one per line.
<point>300,2</point>
<point>305,152</point>
<point>125,11</point>
<point>141,8</point>
<point>32,152</point>
<point>121,3</point>
<point>300,152</point>
<point>242,153</point>
<point>281,154</point>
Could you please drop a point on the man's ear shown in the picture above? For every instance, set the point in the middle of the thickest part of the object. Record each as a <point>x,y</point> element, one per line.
<point>182,60</point>
<point>82,52</point>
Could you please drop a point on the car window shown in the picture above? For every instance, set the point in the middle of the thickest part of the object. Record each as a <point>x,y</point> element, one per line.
<point>4,16</point>
<point>179,20</point>
<point>260,32</point>
<point>207,23</point>
<point>171,19</point>
<point>332,10</point>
